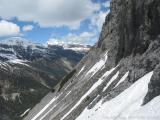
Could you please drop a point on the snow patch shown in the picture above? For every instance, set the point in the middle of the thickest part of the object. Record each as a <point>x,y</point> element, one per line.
<point>81,70</point>
<point>18,61</point>
<point>68,93</point>
<point>123,78</point>
<point>25,112</point>
<point>107,73</point>
<point>112,79</point>
<point>98,65</point>
<point>8,56</point>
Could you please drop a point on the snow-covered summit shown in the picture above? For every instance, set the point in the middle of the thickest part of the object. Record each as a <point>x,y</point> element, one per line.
<point>17,41</point>
<point>77,47</point>
<point>70,46</point>
<point>16,48</point>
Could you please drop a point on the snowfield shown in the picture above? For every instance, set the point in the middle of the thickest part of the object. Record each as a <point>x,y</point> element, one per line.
<point>123,106</point>
<point>122,79</point>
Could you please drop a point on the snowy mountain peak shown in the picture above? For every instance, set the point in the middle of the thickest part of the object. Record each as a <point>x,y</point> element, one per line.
<point>70,46</point>
<point>77,47</point>
<point>17,41</point>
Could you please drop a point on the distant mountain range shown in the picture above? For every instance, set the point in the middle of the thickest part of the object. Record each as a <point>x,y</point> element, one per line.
<point>29,70</point>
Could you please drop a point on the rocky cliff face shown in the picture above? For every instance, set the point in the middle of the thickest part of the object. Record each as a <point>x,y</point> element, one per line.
<point>136,38</point>
<point>119,78</point>
<point>28,71</point>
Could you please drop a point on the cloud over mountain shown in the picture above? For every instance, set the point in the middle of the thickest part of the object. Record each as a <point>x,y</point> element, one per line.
<point>8,28</point>
<point>27,27</point>
<point>49,13</point>
<point>82,38</point>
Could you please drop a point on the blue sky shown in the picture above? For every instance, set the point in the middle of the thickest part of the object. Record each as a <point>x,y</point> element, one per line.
<point>53,21</point>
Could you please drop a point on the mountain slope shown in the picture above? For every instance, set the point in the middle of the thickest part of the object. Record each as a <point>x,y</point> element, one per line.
<point>119,78</point>
<point>28,71</point>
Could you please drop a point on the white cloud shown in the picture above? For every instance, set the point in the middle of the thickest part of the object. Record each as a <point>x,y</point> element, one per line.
<point>8,29</point>
<point>49,13</point>
<point>106,4</point>
<point>85,37</point>
<point>28,27</point>
<point>98,19</point>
